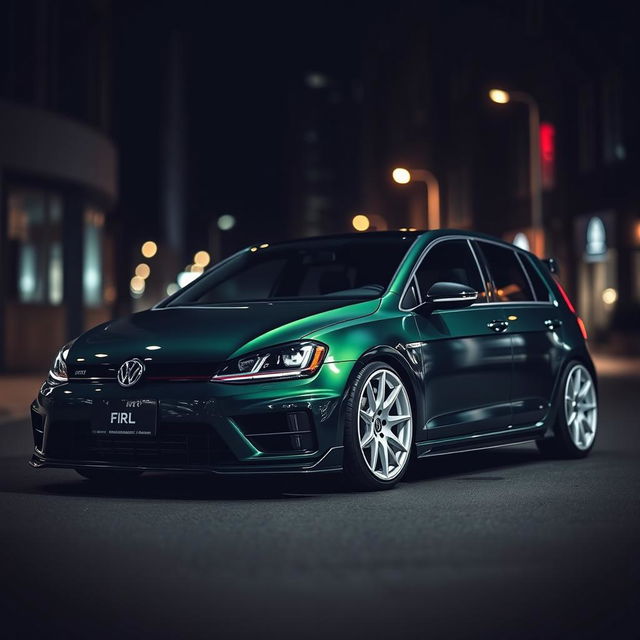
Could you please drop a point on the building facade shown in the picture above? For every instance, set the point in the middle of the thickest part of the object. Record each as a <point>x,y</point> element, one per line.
<point>58,177</point>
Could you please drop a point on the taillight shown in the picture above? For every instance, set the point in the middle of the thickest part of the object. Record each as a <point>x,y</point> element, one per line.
<point>565,297</point>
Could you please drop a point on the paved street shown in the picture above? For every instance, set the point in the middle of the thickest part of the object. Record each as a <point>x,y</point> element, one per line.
<point>497,544</point>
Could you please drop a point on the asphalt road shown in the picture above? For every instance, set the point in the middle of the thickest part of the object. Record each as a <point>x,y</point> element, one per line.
<point>496,544</point>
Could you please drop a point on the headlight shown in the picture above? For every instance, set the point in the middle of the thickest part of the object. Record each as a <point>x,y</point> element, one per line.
<point>297,360</point>
<point>58,372</point>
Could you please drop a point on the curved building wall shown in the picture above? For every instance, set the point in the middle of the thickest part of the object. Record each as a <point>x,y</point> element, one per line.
<point>44,143</point>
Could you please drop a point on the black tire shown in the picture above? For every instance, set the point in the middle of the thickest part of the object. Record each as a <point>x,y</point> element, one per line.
<point>560,444</point>
<point>110,476</point>
<point>357,472</point>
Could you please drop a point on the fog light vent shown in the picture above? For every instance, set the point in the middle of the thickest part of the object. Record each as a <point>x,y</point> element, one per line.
<point>279,432</point>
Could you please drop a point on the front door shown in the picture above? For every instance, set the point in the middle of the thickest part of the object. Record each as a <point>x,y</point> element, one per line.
<point>466,355</point>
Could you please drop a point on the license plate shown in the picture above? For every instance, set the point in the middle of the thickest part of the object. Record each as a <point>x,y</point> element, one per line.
<point>124,418</point>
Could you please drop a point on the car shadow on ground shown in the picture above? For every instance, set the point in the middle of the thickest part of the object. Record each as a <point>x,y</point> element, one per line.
<point>488,465</point>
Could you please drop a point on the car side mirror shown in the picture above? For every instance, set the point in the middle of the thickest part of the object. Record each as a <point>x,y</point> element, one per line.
<point>449,295</point>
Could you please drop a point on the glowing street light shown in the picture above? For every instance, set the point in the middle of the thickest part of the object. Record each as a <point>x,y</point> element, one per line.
<point>143,270</point>
<point>202,258</point>
<point>401,176</point>
<point>226,222</point>
<point>404,176</point>
<point>137,284</point>
<point>149,249</point>
<point>500,96</point>
<point>360,222</point>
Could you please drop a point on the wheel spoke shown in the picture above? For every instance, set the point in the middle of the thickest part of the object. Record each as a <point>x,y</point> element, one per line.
<point>392,397</point>
<point>393,458</point>
<point>577,435</point>
<point>384,458</point>
<point>392,439</point>
<point>585,389</point>
<point>375,447</point>
<point>572,417</point>
<point>371,397</point>
<point>368,438</point>
<point>392,421</point>
<point>366,416</point>
<point>382,389</point>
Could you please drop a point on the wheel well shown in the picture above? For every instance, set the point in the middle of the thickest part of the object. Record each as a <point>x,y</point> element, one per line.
<point>395,362</point>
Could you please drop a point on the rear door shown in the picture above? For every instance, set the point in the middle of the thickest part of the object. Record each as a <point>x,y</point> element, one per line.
<point>466,362</point>
<point>522,300</point>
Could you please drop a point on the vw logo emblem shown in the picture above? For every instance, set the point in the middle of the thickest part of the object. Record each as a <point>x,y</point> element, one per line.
<point>130,372</point>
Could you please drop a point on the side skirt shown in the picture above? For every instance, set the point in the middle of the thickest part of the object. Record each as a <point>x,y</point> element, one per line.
<point>479,441</point>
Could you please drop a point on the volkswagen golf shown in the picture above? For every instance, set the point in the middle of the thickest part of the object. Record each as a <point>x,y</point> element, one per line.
<point>359,353</point>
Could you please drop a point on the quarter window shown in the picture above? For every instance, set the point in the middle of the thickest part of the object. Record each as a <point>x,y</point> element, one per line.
<point>539,287</point>
<point>510,281</point>
<point>450,261</point>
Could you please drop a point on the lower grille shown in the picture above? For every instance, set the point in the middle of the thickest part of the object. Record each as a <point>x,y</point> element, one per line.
<point>290,432</point>
<point>184,445</point>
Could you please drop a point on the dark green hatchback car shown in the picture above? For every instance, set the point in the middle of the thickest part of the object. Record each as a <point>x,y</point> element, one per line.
<point>359,352</point>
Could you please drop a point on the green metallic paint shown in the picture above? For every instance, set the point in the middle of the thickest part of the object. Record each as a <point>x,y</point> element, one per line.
<point>354,331</point>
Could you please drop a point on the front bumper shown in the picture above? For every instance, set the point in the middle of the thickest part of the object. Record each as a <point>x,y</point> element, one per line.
<point>202,426</point>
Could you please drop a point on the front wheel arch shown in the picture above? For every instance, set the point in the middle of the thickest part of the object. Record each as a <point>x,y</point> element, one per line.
<point>410,377</point>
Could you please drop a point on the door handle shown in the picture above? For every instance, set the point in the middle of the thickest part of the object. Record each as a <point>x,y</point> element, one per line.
<point>553,324</point>
<point>499,326</point>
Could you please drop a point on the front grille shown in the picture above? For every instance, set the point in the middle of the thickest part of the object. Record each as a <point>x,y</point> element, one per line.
<point>156,371</point>
<point>176,444</point>
<point>279,432</point>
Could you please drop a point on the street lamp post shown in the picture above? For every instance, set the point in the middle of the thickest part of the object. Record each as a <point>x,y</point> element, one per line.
<point>500,96</point>
<point>403,176</point>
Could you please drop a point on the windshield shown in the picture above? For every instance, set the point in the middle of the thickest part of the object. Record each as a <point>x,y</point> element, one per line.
<point>352,267</point>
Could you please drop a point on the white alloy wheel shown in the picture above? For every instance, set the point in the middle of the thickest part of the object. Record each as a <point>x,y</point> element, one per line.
<point>580,407</point>
<point>385,424</point>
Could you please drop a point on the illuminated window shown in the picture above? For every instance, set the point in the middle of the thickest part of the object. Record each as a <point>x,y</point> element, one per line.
<point>35,246</point>
<point>92,269</point>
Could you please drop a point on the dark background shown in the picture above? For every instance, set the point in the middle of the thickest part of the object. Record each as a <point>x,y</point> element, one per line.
<point>124,122</point>
<point>162,116</point>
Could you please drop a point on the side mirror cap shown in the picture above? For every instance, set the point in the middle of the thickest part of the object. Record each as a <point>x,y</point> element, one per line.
<point>449,295</point>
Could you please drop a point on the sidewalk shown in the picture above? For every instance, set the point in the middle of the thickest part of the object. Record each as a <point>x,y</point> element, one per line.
<point>18,391</point>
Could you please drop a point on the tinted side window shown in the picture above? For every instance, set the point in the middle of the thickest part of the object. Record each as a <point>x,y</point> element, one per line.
<point>450,261</point>
<point>539,287</point>
<point>511,284</point>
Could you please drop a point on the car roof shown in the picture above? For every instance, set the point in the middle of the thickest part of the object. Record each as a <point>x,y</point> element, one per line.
<point>357,235</point>
<point>425,236</point>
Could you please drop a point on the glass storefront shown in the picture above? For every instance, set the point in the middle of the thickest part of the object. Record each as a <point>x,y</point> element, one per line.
<point>92,280</point>
<point>35,246</point>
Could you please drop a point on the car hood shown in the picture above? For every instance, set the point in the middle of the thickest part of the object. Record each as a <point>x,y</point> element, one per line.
<point>205,335</point>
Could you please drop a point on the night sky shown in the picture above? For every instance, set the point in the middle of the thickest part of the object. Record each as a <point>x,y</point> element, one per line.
<point>241,65</point>
<point>244,62</point>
